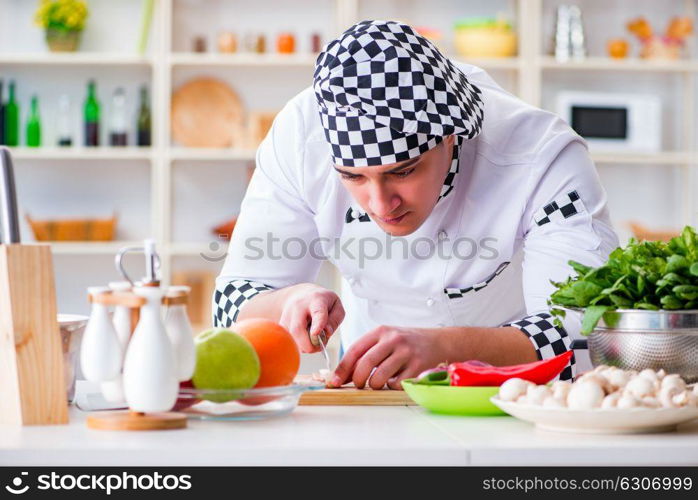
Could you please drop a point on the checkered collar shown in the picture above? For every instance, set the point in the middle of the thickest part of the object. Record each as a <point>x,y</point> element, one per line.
<point>386,94</point>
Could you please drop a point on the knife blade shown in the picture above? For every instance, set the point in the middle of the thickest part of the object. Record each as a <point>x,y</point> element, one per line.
<point>9,222</point>
<point>323,345</point>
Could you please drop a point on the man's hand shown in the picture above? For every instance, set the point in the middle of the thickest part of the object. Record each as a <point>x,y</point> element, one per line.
<point>396,353</point>
<point>309,304</point>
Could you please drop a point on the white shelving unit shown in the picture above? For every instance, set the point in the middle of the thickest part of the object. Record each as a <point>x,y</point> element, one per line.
<point>530,72</point>
<point>630,64</point>
<point>212,154</point>
<point>91,248</point>
<point>82,153</point>
<point>76,58</point>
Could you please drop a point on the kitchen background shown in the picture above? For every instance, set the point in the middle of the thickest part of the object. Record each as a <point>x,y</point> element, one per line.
<point>185,184</point>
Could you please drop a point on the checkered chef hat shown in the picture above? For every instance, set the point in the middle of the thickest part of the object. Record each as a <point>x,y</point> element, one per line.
<point>386,95</point>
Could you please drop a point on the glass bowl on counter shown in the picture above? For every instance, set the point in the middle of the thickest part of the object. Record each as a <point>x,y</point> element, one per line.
<point>241,404</point>
<point>71,328</point>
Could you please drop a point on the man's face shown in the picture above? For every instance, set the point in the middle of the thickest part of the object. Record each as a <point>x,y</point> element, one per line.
<point>400,196</point>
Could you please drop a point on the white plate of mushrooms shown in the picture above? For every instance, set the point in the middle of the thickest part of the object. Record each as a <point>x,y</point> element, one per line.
<point>607,400</point>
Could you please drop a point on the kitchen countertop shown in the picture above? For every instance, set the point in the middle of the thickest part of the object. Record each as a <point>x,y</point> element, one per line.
<point>343,435</point>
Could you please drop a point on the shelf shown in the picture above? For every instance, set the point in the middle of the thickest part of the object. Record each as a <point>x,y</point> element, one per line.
<point>631,64</point>
<point>75,58</point>
<point>89,247</point>
<point>215,249</point>
<point>81,153</point>
<point>511,63</point>
<point>307,60</point>
<point>213,154</point>
<point>663,158</point>
<point>242,59</point>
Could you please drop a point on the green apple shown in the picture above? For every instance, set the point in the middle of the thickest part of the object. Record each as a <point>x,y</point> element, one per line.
<point>224,360</point>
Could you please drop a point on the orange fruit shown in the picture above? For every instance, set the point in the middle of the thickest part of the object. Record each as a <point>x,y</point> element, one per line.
<point>278,353</point>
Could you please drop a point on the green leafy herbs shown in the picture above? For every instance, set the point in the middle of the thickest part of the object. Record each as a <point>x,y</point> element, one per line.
<point>648,275</point>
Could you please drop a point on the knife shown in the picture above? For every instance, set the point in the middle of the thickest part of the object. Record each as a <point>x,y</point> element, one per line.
<point>9,222</point>
<point>321,339</point>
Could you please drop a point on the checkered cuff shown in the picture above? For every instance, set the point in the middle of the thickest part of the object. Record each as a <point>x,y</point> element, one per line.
<point>549,340</point>
<point>229,298</point>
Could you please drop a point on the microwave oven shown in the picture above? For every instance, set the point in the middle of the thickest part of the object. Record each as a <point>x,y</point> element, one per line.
<point>614,121</point>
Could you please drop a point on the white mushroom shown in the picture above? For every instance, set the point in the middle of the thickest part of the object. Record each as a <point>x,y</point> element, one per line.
<point>522,400</point>
<point>536,394</point>
<point>617,378</point>
<point>561,389</point>
<point>641,386</point>
<point>553,402</point>
<point>628,401</point>
<point>650,402</point>
<point>513,388</point>
<point>611,401</point>
<point>681,399</point>
<point>675,381</point>
<point>692,399</point>
<point>596,378</point>
<point>666,396</point>
<point>661,374</point>
<point>695,390</point>
<point>649,373</point>
<point>585,395</point>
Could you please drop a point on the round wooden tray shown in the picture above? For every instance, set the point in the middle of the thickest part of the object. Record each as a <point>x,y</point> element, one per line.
<point>134,421</point>
<point>207,113</point>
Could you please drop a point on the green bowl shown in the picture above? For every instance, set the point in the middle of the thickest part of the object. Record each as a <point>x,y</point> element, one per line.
<point>472,401</point>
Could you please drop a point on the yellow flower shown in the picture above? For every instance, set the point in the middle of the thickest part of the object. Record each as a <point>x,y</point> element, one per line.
<point>69,13</point>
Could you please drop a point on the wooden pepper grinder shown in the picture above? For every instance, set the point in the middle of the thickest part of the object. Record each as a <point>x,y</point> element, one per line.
<point>31,361</point>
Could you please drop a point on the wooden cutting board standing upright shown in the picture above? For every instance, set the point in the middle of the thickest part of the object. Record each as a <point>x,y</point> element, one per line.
<point>32,378</point>
<point>207,113</point>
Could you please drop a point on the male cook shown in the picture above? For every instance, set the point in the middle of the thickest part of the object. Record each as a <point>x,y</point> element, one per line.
<point>446,203</point>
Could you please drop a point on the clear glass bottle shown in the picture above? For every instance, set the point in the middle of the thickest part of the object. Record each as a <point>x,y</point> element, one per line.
<point>118,124</point>
<point>64,129</point>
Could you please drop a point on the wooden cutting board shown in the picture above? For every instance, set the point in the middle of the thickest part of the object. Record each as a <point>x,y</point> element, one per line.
<point>349,395</point>
<point>207,113</point>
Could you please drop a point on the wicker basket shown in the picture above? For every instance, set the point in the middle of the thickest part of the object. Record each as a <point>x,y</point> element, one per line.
<point>73,229</point>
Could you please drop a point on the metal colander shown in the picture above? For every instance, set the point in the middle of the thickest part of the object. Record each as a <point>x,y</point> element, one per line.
<point>635,339</point>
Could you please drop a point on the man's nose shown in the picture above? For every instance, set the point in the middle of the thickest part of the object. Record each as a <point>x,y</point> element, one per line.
<point>383,202</point>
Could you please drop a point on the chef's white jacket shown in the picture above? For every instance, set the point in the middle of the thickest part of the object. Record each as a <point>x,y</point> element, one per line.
<point>526,199</point>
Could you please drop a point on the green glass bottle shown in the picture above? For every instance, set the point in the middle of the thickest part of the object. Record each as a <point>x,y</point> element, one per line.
<point>12,119</point>
<point>34,125</point>
<point>91,115</point>
<point>2,116</point>
<point>144,119</point>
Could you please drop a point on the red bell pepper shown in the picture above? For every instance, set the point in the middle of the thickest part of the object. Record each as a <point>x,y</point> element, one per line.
<point>477,373</point>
